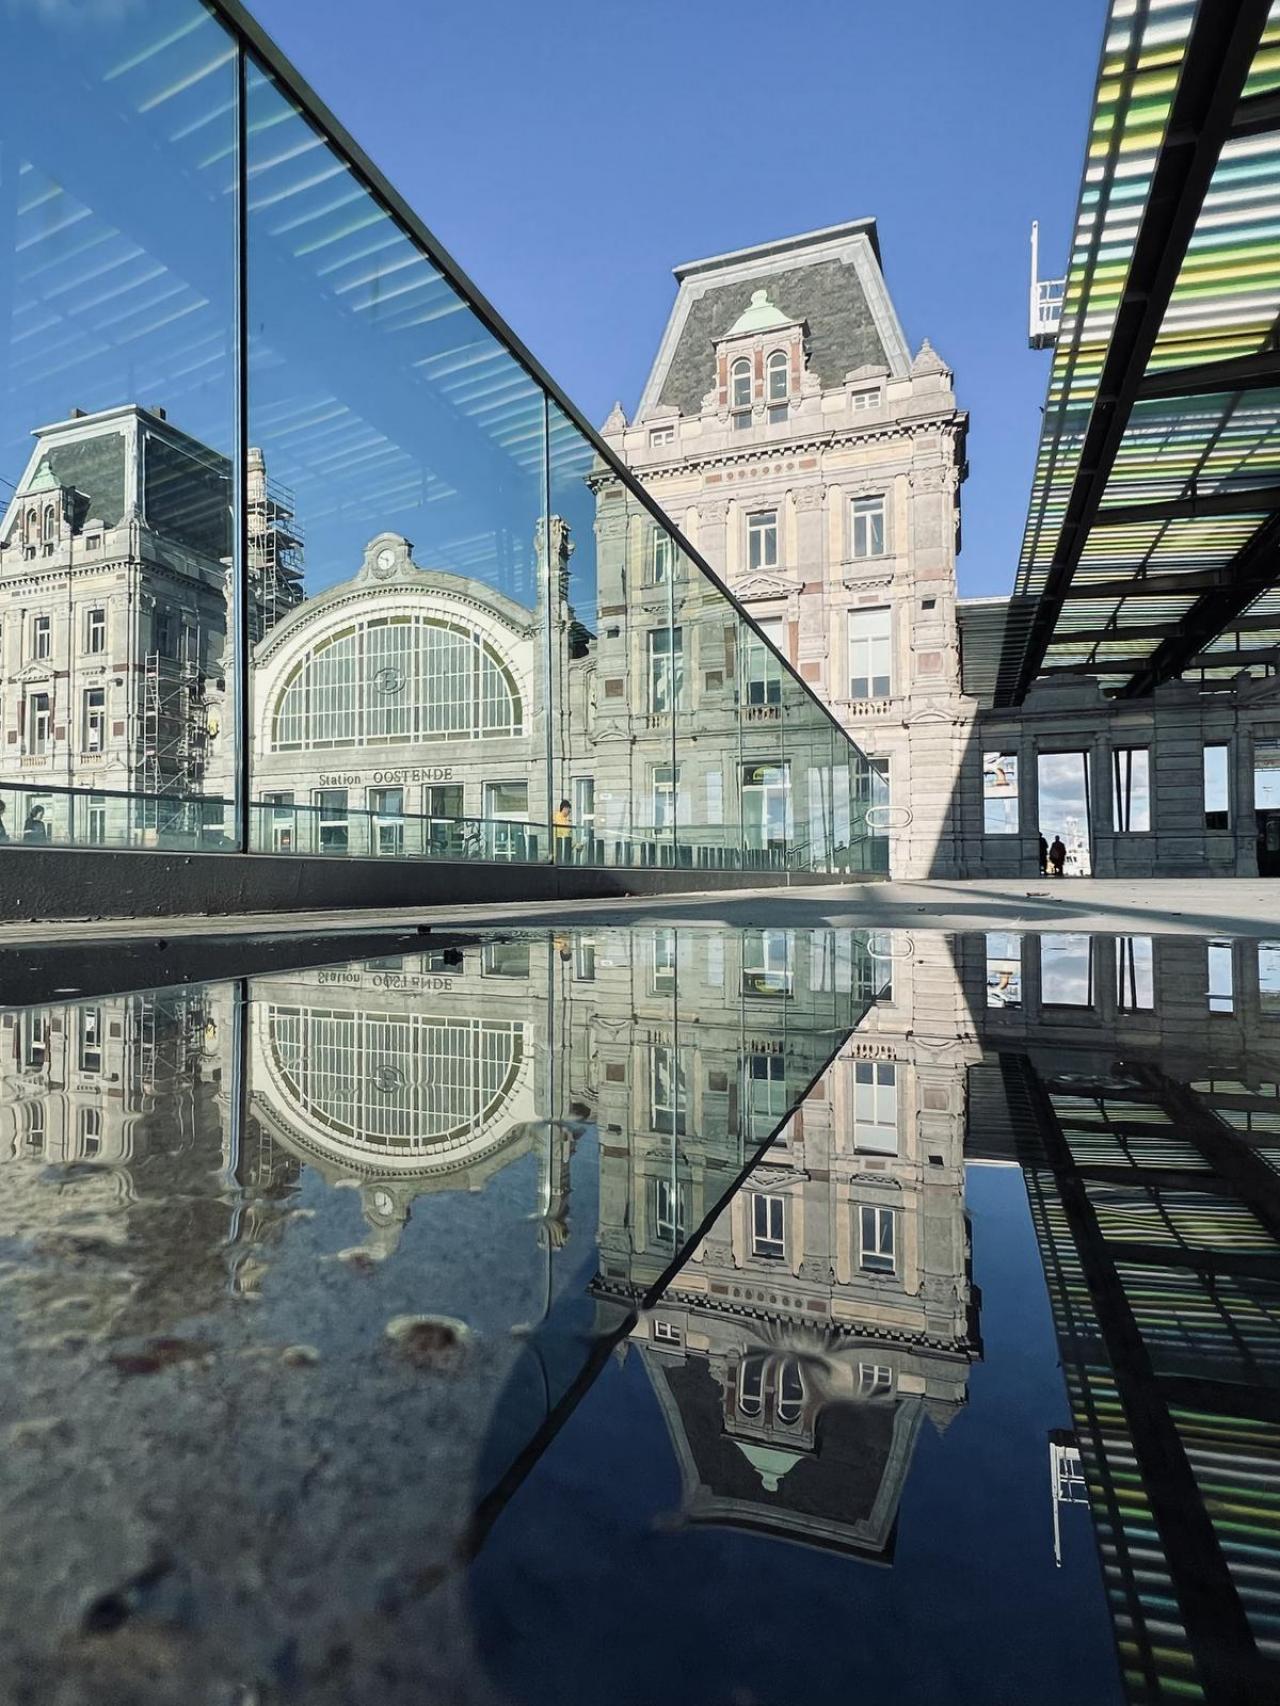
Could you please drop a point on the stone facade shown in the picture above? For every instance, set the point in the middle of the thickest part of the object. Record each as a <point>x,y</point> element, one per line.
<point>787,430</point>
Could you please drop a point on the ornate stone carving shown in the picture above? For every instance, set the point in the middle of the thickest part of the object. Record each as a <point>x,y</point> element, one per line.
<point>809,498</point>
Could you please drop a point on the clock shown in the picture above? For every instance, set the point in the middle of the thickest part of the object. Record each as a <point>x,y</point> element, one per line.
<point>385,561</point>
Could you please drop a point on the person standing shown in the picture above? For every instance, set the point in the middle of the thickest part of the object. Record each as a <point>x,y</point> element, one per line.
<point>563,831</point>
<point>35,828</point>
<point>1058,855</point>
<point>1044,856</point>
<point>4,833</point>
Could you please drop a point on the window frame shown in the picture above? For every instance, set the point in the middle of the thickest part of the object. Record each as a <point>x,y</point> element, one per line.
<point>883,613</point>
<point>1122,803</point>
<point>1224,813</point>
<point>875,1257</point>
<point>762,541</point>
<point>740,368</point>
<point>95,630</point>
<point>777,362</point>
<point>769,1244</point>
<point>869,508</point>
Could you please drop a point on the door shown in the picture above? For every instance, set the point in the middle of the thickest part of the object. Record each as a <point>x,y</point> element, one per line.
<point>1063,797</point>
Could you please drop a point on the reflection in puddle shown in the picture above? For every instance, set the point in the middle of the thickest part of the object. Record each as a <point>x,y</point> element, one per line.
<point>375,1332</point>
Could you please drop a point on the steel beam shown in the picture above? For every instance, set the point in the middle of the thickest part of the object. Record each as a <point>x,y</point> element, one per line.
<point>1243,500</point>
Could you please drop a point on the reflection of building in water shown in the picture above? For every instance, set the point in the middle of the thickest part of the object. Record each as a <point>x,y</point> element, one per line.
<point>425,1073</point>
<point>828,1310</point>
<point>1138,1082</point>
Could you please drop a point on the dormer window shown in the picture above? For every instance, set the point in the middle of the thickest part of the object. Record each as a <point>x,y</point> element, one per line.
<point>740,384</point>
<point>661,435</point>
<point>779,384</point>
<point>869,399</point>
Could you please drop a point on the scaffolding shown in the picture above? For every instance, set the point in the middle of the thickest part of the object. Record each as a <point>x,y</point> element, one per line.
<point>275,549</point>
<point>175,726</point>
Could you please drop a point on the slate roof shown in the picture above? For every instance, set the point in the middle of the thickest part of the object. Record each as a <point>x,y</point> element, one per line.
<point>827,295</point>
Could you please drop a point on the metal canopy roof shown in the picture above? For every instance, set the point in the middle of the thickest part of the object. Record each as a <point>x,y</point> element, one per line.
<point>1151,541</point>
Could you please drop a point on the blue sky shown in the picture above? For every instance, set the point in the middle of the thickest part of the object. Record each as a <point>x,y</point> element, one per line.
<point>568,155</point>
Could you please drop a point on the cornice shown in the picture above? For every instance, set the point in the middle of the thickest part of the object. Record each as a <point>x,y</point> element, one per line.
<point>833,438</point>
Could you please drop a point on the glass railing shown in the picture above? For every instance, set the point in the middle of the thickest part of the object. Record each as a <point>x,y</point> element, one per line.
<point>33,816</point>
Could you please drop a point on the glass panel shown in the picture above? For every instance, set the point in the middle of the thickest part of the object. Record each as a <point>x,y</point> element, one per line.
<point>1065,818</point>
<point>1066,971</point>
<point>1217,787</point>
<point>1131,790</point>
<point>1135,974</point>
<point>1000,793</point>
<point>1004,969</point>
<point>117,424</point>
<point>404,575</point>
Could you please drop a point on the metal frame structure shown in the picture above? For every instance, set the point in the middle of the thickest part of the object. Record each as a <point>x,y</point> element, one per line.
<point>1155,510</point>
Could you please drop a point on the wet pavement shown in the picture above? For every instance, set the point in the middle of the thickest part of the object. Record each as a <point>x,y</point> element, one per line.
<point>723,1315</point>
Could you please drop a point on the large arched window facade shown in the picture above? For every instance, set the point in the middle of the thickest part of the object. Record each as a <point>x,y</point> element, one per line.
<point>400,1083</point>
<point>391,679</point>
<point>776,370</point>
<point>740,381</point>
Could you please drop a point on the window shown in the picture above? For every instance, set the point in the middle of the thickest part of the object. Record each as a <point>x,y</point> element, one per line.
<point>875,1106</point>
<point>95,631</point>
<point>666,670</point>
<point>874,1378</point>
<point>878,778</point>
<point>666,1333</point>
<point>768,1238</point>
<point>663,980</point>
<point>751,1386</point>
<point>1066,971</point>
<point>584,810</point>
<point>868,527</point>
<point>334,835</point>
<point>666,793</point>
<point>740,384</point>
<point>661,435</point>
<point>1269,978</point>
<point>422,678</point>
<point>90,1132</point>
<point>1217,787</point>
<point>1000,793</point>
<point>664,547</point>
<point>1221,978</point>
<point>444,799</point>
<point>507,801</point>
<point>1131,790</point>
<point>584,960</point>
<point>1135,974</point>
<point>38,723</point>
<point>1004,969</point>
<point>870,650</point>
<point>789,1400</point>
<point>35,1039</point>
<point>767,962</point>
<point>779,384</point>
<point>863,400</point>
<point>91,1039</point>
<point>668,1210</point>
<point>165,634</point>
<point>766,1095</point>
<point>878,1240</point>
<point>763,671</point>
<point>668,1095</point>
<point>95,827</point>
<point>762,540</point>
<point>94,720</point>
<point>41,637</point>
<point>387,808</point>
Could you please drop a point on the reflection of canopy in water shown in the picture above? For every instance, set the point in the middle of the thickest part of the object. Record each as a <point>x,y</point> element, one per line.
<point>402,1086</point>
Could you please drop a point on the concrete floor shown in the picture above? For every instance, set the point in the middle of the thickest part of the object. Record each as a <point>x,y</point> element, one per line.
<point>1207,907</point>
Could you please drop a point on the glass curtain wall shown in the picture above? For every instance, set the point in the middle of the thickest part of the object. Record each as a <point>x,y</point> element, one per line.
<point>302,556</point>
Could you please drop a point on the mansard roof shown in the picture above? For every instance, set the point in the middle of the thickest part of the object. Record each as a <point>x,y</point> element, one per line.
<point>829,279</point>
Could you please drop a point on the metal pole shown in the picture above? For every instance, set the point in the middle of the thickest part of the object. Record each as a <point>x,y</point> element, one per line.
<point>239,577</point>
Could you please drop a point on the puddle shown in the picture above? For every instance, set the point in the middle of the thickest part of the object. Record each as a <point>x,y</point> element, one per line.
<point>705,1315</point>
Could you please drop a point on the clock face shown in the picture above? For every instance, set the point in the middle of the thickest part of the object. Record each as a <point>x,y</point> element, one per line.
<point>386,557</point>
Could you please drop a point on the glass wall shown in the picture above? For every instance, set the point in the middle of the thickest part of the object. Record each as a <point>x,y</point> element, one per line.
<point>303,557</point>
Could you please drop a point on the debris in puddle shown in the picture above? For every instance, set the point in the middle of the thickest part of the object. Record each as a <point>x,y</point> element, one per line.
<point>429,1341</point>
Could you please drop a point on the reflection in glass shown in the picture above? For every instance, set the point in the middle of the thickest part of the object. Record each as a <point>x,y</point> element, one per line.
<point>1066,971</point>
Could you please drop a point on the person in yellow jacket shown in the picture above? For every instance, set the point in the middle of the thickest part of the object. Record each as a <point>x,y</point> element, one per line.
<point>563,831</point>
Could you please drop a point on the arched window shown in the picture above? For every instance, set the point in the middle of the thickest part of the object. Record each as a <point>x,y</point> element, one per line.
<point>33,528</point>
<point>751,1385</point>
<point>776,369</point>
<point>740,377</point>
<point>50,524</point>
<point>790,1397</point>
<point>396,679</point>
<point>347,1072</point>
